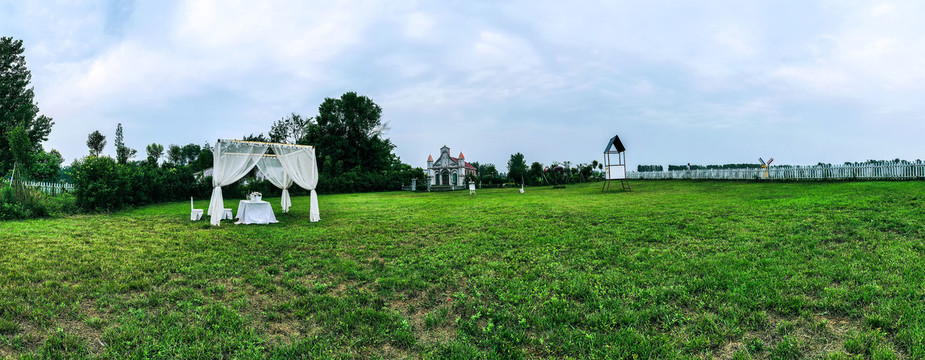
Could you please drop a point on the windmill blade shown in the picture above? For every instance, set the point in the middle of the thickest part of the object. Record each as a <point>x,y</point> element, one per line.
<point>762,161</point>
<point>770,160</point>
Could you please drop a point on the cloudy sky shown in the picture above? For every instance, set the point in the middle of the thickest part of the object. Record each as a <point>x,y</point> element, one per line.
<point>706,82</point>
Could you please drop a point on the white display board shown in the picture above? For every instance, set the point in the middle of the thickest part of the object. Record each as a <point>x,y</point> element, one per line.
<point>616,172</point>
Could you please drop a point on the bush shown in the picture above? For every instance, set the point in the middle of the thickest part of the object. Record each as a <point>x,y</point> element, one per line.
<point>104,185</point>
<point>99,186</point>
<point>20,202</point>
<point>62,204</point>
<point>362,181</point>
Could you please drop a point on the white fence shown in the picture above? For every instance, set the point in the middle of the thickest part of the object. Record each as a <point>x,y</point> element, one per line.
<point>837,172</point>
<point>49,187</point>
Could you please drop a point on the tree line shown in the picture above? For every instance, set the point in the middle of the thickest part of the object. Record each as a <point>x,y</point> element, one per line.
<point>348,135</point>
<point>555,174</point>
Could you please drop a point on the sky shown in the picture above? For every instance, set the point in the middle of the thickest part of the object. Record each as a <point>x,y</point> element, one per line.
<point>704,82</point>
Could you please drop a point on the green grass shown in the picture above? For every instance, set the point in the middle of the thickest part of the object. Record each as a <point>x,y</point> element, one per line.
<point>672,269</point>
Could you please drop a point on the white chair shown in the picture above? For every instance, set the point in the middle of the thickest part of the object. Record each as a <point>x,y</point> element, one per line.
<point>226,215</point>
<point>195,214</point>
<point>471,188</point>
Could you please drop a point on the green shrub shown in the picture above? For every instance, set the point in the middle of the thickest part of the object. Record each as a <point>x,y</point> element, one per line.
<point>368,181</point>
<point>13,211</point>
<point>104,185</point>
<point>20,202</point>
<point>62,204</point>
<point>98,185</point>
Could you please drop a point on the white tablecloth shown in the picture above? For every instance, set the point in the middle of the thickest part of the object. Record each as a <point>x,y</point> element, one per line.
<point>255,212</point>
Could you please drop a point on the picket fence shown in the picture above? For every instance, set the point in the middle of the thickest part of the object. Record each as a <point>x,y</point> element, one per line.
<point>49,187</point>
<point>896,171</point>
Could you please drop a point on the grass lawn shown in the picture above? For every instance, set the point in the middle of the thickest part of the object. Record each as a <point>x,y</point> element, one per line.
<point>673,269</point>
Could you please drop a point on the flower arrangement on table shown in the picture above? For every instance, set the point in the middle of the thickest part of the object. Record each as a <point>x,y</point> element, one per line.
<point>256,196</point>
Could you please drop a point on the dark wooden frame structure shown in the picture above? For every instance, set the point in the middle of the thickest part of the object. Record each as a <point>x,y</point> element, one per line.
<point>615,147</point>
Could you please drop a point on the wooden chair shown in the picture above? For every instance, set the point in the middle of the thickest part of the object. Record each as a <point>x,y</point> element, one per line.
<point>195,214</point>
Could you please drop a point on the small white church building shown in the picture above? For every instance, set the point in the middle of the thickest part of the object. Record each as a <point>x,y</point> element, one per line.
<point>447,170</point>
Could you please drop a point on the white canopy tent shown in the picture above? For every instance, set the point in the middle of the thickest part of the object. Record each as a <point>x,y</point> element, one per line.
<point>291,163</point>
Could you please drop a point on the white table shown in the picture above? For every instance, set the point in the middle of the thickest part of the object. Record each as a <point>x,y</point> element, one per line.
<point>255,212</point>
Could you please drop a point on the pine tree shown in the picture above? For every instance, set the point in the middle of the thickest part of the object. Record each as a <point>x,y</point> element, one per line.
<point>123,153</point>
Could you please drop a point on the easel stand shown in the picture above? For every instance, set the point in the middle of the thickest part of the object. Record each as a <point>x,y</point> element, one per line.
<point>623,183</point>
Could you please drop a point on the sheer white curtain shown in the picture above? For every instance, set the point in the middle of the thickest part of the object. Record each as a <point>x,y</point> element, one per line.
<point>300,164</point>
<point>231,161</point>
<point>270,166</point>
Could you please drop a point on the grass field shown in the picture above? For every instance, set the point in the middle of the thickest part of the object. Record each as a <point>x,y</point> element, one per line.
<point>673,269</point>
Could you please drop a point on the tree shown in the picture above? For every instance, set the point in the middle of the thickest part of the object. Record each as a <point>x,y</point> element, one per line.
<point>123,153</point>
<point>517,168</point>
<point>175,155</point>
<point>488,170</point>
<point>190,153</point>
<point>290,130</point>
<point>535,174</point>
<point>47,166</point>
<point>556,174</point>
<point>21,150</point>
<point>96,142</point>
<point>205,159</point>
<point>155,151</point>
<point>259,137</point>
<point>349,130</point>
<point>17,103</point>
<point>585,171</point>
<point>488,174</point>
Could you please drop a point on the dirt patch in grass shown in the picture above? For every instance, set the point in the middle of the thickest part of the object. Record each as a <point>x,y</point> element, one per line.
<point>88,329</point>
<point>384,351</point>
<point>813,337</point>
<point>91,327</point>
<point>285,331</point>
<point>430,325</point>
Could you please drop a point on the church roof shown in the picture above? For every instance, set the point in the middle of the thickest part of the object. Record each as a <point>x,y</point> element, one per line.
<point>430,157</point>
<point>461,157</point>
<point>462,161</point>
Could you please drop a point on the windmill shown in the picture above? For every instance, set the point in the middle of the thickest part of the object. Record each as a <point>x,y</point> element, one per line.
<point>766,166</point>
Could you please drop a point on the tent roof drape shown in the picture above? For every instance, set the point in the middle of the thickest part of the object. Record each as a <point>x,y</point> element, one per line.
<point>266,143</point>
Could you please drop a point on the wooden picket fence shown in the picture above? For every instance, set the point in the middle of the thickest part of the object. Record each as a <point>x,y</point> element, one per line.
<point>895,171</point>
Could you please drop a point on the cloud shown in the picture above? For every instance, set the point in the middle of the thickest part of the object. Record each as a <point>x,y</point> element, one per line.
<point>489,76</point>
<point>873,50</point>
<point>418,25</point>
